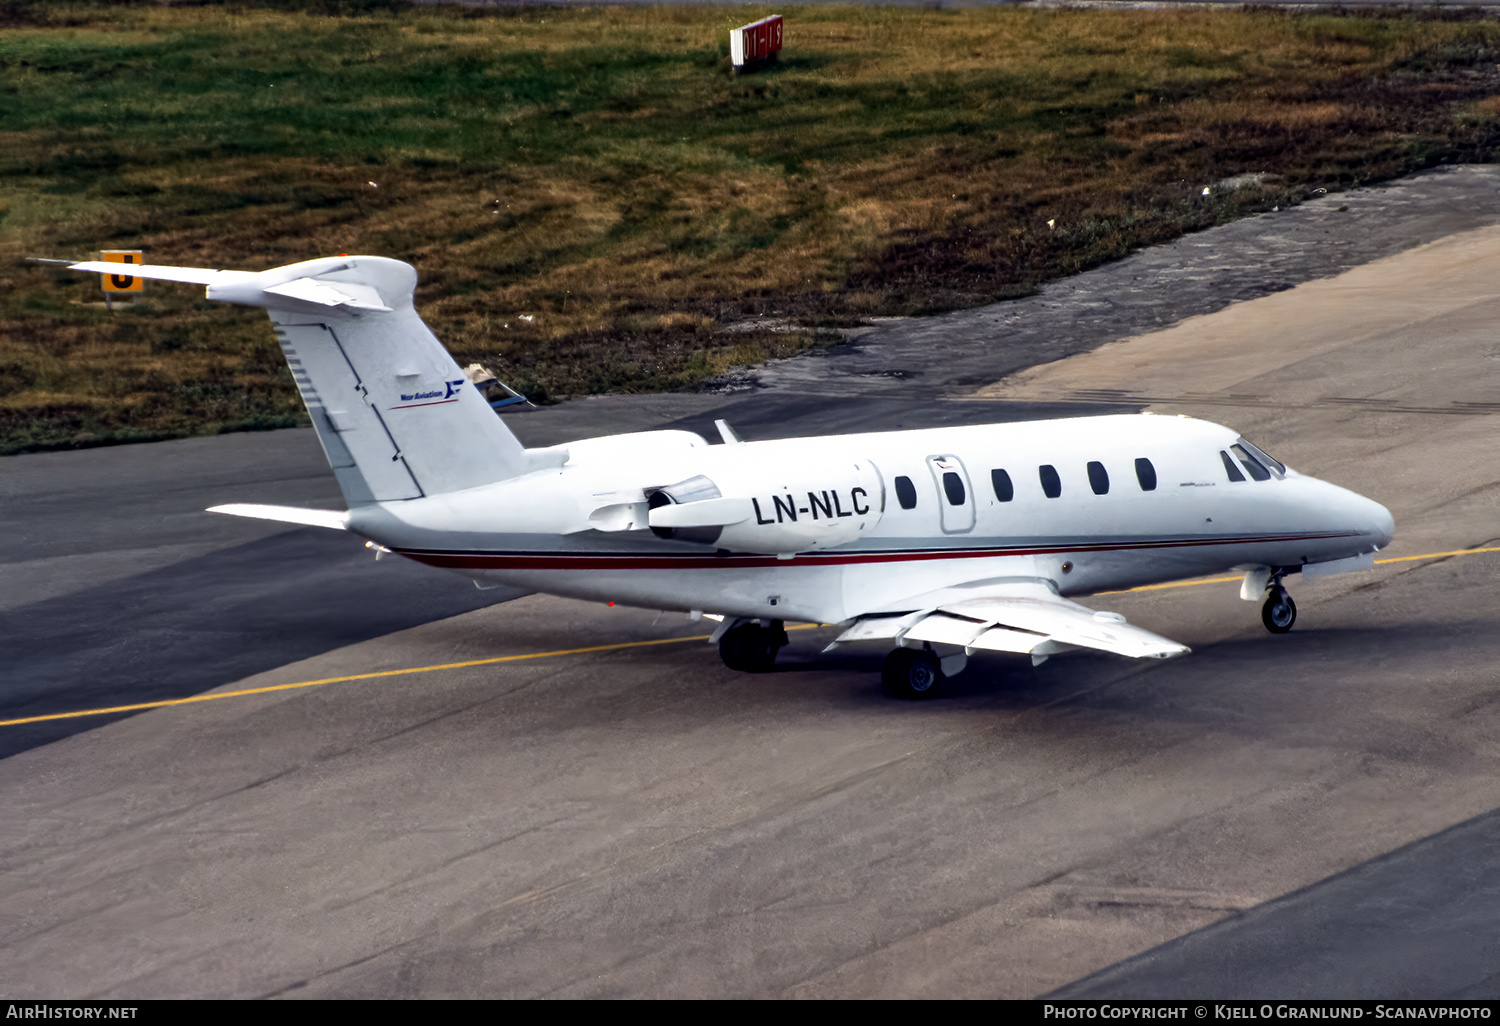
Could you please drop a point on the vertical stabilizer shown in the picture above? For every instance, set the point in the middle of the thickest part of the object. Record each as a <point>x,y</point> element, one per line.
<point>397,417</point>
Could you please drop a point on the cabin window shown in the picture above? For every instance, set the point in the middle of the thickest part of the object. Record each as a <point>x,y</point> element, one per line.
<point>1004,490</point>
<point>1230,468</point>
<point>1145,473</point>
<point>1255,470</point>
<point>1271,463</point>
<point>1051,483</point>
<point>953,487</point>
<point>1098,478</point>
<point>906,493</point>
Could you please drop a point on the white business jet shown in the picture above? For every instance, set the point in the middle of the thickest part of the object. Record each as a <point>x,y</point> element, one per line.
<point>935,543</point>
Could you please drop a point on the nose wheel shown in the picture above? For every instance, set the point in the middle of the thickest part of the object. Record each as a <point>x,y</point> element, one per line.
<point>1279,611</point>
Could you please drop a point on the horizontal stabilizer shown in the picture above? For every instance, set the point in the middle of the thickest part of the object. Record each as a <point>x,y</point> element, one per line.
<point>345,293</point>
<point>161,272</point>
<point>337,520</point>
<point>253,288</point>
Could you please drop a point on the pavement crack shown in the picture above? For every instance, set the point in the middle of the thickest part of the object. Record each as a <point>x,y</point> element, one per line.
<point>299,984</point>
<point>447,863</point>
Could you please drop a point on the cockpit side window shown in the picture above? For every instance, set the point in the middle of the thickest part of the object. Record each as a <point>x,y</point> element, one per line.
<point>1272,464</point>
<point>1230,468</point>
<point>1254,469</point>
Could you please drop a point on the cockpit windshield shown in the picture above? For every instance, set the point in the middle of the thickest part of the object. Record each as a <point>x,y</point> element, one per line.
<point>1275,466</point>
<point>1252,466</point>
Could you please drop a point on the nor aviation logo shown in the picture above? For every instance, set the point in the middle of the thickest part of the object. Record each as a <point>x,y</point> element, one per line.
<point>447,393</point>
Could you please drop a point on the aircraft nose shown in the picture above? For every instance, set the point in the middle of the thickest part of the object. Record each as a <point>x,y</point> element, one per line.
<point>1377,522</point>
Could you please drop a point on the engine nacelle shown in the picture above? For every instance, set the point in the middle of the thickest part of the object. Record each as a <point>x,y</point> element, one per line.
<point>756,511</point>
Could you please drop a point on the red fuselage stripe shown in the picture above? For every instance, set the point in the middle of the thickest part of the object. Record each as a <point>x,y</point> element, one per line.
<point>625,561</point>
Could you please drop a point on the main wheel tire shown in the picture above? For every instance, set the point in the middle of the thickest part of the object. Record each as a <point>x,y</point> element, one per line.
<point>751,648</point>
<point>1279,612</point>
<point>911,673</point>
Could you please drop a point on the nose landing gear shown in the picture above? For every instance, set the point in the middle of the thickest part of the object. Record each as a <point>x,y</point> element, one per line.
<point>1279,611</point>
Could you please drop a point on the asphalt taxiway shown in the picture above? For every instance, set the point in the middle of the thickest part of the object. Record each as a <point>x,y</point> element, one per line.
<point>379,784</point>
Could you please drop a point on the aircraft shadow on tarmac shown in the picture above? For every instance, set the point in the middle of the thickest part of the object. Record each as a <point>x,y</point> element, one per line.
<point>205,622</point>
<point>1249,685</point>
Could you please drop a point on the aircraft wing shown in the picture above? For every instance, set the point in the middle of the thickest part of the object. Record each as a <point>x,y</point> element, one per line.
<point>1026,618</point>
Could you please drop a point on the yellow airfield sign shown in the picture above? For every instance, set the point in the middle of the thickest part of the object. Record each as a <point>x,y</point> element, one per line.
<point>122,282</point>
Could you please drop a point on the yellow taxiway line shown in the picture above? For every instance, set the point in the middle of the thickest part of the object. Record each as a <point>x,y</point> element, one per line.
<point>353,676</point>
<point>215,696</point>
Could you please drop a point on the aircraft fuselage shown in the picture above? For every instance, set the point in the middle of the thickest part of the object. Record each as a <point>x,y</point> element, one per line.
<point>868,520</point>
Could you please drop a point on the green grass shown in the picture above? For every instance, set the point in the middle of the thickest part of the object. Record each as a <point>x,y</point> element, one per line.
<point>601,172</point>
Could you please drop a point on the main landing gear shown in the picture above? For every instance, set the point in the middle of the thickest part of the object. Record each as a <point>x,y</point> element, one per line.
<point>751,647</point>
<point>911,673</point>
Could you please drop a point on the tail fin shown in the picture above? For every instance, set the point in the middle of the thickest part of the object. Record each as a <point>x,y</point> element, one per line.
<point>397,417</point>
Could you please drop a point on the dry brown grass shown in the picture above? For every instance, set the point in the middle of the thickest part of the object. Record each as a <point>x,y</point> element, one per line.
<point>600,173</point>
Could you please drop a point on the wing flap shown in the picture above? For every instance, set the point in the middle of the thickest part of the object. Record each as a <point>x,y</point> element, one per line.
<point>944,629</point>
<point>1003,639</point>
<point>879,627</point>
<point>1068,623</point>
<point>1022,619</point>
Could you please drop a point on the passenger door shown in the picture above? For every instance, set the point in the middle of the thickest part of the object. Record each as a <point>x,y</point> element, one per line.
<point>955,494</point>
